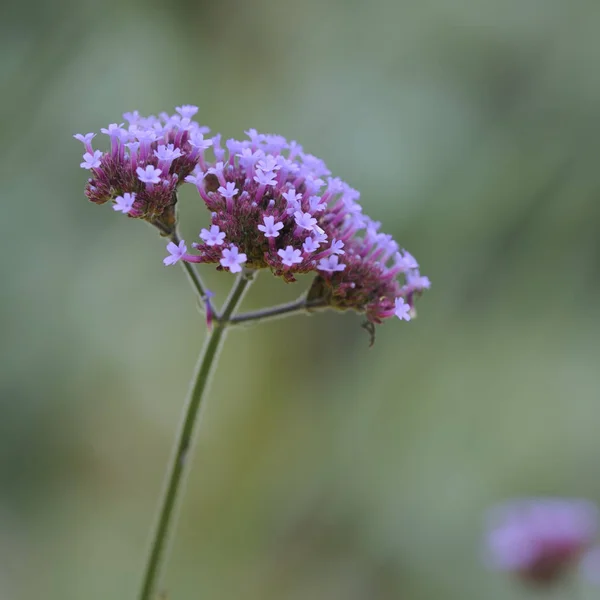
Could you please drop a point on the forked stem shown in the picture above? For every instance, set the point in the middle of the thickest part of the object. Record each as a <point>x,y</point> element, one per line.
<point>177,466</point>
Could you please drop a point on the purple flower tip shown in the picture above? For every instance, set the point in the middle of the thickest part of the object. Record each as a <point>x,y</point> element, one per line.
<point>402,309</point>
<point>305,220</point>
<point>91,161</point>
<point>290,256</point>
<point>229,191</point>
<point>187,111</point>
<point>270,228</point>
<point>330,264</point>
<point>310,245</point>
<point>176,252</point>
<point>124,203</point>
<point>233,259</point>
<point>85,139</point>
<point>149,174</point>
<point>213,237</point>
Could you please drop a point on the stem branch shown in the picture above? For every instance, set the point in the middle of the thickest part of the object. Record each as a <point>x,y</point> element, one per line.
<point>301,305</point>
<point>183,442</point>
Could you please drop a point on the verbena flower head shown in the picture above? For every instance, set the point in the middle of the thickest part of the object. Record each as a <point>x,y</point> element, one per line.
<point>538,539</point>
<point>272,206</point>
<point>147,161</point>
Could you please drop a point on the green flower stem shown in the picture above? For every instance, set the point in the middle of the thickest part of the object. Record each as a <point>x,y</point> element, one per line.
<point>177,466</point>
<point>191,273</point>
<point>301,305</point>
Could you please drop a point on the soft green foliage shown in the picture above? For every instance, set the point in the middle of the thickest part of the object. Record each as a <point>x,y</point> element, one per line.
<point>324,470</point>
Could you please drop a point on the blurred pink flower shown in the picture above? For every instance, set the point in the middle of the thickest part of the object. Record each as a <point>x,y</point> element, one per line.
<point>540,538</point>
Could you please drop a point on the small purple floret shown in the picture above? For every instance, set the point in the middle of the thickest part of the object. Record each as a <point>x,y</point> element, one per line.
<point>290,256</point>
<point>124,203</point>
<point>229,191</point>
<point>233,259</point>
<point>269,227</point>
<point>214,237</point>
<point>331,264</point>
<point>187,111</point>
<point>305,220</point>
<point>310,245</point>
<point>176,252</point>
<point>91,161</point>
<point>148,174</point>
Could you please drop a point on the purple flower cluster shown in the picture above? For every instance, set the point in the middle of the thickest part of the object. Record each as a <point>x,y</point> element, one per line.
<point>540,538</point>
<point>272,206</point>
<point>146,163</point>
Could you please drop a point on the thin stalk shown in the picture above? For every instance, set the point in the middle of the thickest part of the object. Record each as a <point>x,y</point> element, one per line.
<point>301,305</point>
<point>190,271</point>
<point>192,275</point>
<point>177,466</point>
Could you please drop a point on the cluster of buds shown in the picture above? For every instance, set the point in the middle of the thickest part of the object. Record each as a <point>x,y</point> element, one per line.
<point>540,539</point>
<point>272,206</point>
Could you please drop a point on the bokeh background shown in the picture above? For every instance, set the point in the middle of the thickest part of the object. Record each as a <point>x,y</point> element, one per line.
<point>324,470</point>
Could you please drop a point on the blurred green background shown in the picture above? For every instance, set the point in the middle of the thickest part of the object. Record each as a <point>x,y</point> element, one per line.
<point>324,470</point>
